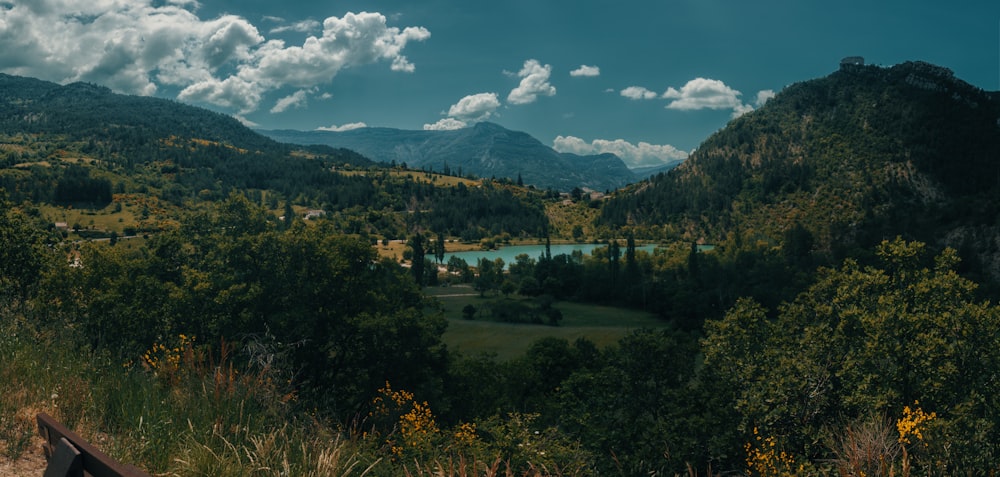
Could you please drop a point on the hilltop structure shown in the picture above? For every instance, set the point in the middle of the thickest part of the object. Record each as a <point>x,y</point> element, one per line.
<point>850,61</point>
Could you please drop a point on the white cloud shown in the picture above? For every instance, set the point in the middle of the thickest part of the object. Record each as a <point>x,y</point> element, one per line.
<point>703,93</point>
<point>344,127</point>
<point>638,92</point>
<point>304,26</point>
<point>470,109</point>
<point>763,96</point>
<point>534,82</point>
<point>585,70</point>
<point>295,100</point>
<point>741,109</point>
<point>634,155</point>
<point>138,46</point>
<point>446,124</point>
<point>475,107</point>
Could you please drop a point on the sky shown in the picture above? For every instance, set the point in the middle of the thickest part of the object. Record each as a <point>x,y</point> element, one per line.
<point>647,80</point>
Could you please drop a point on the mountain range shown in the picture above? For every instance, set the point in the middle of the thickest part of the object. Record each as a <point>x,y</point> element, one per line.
<point>484,150</point>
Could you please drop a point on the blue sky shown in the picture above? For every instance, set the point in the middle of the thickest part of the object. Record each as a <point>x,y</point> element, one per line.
<point>648,80</point>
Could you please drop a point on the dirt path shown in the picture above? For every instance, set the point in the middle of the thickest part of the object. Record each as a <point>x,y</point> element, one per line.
<point>31,464</point>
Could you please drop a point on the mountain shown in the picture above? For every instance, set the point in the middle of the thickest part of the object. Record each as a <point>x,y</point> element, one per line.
<point>485,150</point>
<point>123,122</point>
<point>80,144</point>
<point>864,154</point>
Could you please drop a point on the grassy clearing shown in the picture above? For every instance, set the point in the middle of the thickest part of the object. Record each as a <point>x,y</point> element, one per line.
<point>436,179</point>
<point>604,325</point>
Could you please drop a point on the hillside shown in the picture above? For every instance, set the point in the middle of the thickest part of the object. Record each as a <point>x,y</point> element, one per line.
<point>138,164</point>
<point>485,150</point>
<point>83,110</point>
<point>863,154</point>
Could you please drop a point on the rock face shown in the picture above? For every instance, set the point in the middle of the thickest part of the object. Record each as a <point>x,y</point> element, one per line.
<point>485,150</point>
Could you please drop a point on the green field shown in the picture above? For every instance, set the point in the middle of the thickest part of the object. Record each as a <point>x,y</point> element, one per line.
<point>604,325</point>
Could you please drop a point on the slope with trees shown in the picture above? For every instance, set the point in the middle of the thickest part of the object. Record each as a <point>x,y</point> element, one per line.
<point>863,154</point>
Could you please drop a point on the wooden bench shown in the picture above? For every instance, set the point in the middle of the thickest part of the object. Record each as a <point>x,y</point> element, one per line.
<point>71,456</point>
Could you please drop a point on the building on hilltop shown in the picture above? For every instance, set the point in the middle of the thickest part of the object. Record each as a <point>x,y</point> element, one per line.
<point>850,61</point>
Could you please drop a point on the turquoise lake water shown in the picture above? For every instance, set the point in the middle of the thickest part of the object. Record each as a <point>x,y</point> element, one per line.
<point>509,252</point>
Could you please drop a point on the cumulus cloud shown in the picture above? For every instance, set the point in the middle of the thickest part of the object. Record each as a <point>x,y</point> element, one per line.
<point>534,83</point>
<point>470,109</point>
<point>139,46</point>
<point>638,92</point>
<point>344,127</point>
<point>585,70</point>
<point>703,93</point>
<point>475,107</point>
<point>446,124</point>
<point>634,155</point>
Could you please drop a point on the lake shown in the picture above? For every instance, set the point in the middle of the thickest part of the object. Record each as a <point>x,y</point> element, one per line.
<point>509,252</point>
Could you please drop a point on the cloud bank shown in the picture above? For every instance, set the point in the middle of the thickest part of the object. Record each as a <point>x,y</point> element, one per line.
<point>634,155</point>
<point>139,46</point>
<point>701,93</point>
<point>344,127</point>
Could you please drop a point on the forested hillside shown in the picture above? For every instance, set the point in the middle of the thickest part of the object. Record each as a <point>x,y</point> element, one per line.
<point>863,154</point>
<point>81,145</point>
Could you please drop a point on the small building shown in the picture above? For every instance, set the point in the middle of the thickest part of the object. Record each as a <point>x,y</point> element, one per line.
<point>852,61</point>
<point>314,214</point>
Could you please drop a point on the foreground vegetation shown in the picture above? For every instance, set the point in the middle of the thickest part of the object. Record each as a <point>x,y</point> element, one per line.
<point>240,345</point>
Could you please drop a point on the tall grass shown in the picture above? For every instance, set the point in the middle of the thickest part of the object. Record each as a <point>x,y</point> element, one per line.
<point>197,413</point>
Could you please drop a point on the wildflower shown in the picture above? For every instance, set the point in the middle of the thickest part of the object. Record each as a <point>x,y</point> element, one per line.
<point>913,423</point>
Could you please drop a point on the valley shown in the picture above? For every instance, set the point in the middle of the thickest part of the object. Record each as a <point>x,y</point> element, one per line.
<point>824,266</point>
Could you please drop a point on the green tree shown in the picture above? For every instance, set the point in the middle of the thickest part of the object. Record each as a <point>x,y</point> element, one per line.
<point>439,248</point>
<point>23,253</point>
<point>416,244</point>
<point>484,277</point>
<point>614,264</point>
<point>868,341</point>
<point>324,297</point>
<point>289,215</point>
<point>457,265</point>
<point>507,287</point>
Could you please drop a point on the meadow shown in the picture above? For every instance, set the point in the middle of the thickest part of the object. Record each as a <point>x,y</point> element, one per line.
<point>603,325</point>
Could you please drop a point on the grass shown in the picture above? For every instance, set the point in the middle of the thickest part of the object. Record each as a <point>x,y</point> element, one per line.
<point>604,325</point>
<point>439,180</point>
<point>202,416</point>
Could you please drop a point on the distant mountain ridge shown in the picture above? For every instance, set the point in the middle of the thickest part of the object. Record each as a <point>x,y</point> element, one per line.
<point>485,149</point>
